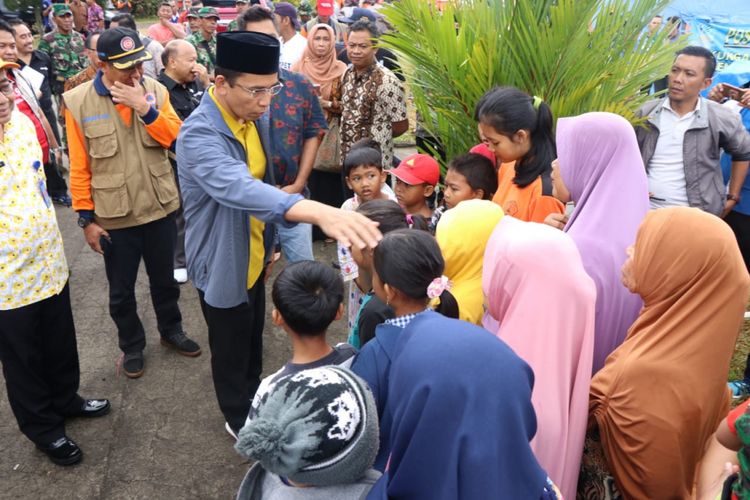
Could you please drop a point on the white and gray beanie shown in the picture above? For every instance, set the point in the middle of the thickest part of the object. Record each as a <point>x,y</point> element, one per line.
<point>318,427</point>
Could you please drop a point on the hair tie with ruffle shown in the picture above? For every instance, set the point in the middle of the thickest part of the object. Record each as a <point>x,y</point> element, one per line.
<point>537,102</point>
<point>438,286</point>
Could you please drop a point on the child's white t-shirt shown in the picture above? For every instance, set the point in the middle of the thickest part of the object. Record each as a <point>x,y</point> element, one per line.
<point>349,269</point>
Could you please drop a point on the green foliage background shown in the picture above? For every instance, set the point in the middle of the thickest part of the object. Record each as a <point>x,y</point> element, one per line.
<point>142,8</point>
<point>578,55</point>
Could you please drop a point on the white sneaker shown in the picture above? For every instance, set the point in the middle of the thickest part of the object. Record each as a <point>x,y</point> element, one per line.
<point>180,275</point>
<point>230,431</point>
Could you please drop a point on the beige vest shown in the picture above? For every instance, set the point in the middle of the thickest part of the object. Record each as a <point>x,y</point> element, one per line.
<point>132,181</point>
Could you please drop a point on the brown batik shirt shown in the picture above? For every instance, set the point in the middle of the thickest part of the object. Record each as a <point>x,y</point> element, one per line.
<point>371,101</point>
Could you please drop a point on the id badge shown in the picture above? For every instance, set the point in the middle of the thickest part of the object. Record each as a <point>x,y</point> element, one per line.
<point>41,184</point>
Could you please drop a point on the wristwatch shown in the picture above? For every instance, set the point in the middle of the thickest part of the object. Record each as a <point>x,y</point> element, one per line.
<point>734,198</point>
<point>83,222</point>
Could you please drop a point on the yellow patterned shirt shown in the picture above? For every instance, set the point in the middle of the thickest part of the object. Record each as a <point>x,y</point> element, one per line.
<point>32,260</point>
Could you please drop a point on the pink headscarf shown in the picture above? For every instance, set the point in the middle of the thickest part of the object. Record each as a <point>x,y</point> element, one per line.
<point>544,302</point>
<point>601,166</point>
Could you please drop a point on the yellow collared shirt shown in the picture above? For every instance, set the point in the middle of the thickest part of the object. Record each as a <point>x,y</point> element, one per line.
<point>32,260</point>
<point>248,136</point>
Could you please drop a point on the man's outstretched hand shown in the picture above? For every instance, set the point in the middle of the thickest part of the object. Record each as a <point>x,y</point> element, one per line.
<point>348,228</point>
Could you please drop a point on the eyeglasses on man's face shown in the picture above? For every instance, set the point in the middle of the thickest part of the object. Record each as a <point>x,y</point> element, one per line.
<point>255,93</point>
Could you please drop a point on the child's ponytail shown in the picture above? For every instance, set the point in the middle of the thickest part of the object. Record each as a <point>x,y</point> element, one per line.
<point>448,305</point>
<point>508,110</point>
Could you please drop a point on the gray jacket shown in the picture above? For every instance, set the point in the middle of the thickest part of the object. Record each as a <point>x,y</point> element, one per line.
<point>259,484</point>
<point>219,195</point>
<point>714,128</point>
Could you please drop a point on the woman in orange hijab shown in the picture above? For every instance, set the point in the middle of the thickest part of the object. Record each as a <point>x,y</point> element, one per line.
<point>663,392</point>
<point>320,65</point>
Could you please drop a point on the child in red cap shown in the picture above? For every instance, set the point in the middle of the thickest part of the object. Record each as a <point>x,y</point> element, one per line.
<point>416,178</point>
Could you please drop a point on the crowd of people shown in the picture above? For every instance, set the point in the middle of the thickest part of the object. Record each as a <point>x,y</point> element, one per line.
<point>553,316</point>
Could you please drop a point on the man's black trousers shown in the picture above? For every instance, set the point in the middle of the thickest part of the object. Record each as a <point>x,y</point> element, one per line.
<point>39,354</point>
<point>154,243</point>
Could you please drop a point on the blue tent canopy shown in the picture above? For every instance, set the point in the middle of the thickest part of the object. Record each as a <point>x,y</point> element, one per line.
<point>726,11</point>
<point>737,74</point>
<point>722,26</point>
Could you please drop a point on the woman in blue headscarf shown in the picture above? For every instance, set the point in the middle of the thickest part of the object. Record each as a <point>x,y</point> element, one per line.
<point>462,417</point>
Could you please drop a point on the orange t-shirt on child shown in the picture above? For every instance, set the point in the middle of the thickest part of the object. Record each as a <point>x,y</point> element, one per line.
<point>532,203</point>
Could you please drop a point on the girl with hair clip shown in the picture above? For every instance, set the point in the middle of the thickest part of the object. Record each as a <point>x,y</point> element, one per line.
<point>407,274</point>
<point>517,128</point>
<point>373,311</point>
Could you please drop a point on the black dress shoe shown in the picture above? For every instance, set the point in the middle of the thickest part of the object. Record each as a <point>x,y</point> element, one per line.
<point>62,452</point>
<point>92,408</point>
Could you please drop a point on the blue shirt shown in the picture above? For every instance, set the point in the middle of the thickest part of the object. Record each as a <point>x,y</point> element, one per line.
<point>743,206</point>
<point>295,116</point>
<point>45,19</point>
<point>373,364</point>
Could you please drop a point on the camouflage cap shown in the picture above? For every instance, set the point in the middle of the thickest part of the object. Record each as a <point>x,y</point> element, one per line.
<point>193,13</point>
<point>208,12</point>
<point>305,9</point>
<point>60,9</point>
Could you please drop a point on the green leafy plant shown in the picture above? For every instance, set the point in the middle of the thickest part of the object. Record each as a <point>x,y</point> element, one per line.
<point>145,8</point>
<point>577,55</point>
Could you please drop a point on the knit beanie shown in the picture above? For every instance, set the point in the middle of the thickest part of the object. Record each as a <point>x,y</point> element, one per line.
<point>317,427</point>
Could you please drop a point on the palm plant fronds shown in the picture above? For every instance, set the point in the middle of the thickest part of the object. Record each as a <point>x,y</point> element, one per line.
<point>577,55</point>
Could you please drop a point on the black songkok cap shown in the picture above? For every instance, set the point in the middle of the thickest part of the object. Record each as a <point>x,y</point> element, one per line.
<point>248,52</point>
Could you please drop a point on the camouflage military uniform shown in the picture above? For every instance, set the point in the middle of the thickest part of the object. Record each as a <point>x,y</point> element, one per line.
<point>232,26</point>
<point>67,54</point>
<point>206,50</point>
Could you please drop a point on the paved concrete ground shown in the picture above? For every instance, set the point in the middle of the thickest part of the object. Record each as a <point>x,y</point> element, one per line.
<point>165,435</point>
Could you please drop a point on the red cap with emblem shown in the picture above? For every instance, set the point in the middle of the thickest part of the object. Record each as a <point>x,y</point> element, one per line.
<point>418,169</point>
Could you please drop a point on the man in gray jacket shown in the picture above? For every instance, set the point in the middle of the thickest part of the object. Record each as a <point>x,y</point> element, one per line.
<point>229,194</point>
<point>681,140</point>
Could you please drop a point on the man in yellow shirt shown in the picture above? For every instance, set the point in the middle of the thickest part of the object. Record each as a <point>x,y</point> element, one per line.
<point>229,198</point>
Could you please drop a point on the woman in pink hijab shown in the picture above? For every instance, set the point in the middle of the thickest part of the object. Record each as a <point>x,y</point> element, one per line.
<point>540,295</point>
<point>600,169</point>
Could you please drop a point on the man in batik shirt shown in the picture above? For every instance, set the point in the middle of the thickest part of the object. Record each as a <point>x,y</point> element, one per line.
<point>373,100</point>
